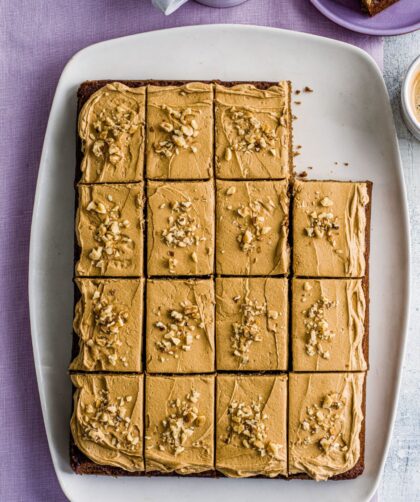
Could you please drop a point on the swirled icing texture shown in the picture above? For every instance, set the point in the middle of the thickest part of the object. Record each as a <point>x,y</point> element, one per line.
<point>308,396</point>
<point>180,228</point>
<point>252,304</point>
<point>180,131</point>
<point>107,420</point>
<point>108,322</point>
<point>233,458</point>
<point>109,230</point>
<point>253,131</point>
<point>345,321</point>
<point>198,449</point>
<point>342,254</point>
<point>111,128</point>
<point>252,220</point>
<point>183,312</point>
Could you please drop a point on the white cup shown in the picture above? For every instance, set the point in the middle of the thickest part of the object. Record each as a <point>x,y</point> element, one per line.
<point>407,100</point>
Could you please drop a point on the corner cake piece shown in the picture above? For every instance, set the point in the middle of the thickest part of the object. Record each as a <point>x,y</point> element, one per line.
<point>251,437</point>
<point>180,131</point>
<point>331,228</point>
<point>109,230</point>
<point>111,129</point>
<point>108,325</point>
<point>326,437</point>
<point>252,227</point>
<point>253,131</point>
<point>329,325</point>
<point>180,326</point>
<point>251,323</point>
<point>179,424</point>
<point>180,228</point>
<point>375,6</point>
<point>107,420</point>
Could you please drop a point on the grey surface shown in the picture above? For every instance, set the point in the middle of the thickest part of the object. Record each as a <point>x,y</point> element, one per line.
<point>401,477</point>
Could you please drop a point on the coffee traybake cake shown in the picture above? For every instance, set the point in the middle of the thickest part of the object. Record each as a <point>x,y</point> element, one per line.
<point>210,289</point>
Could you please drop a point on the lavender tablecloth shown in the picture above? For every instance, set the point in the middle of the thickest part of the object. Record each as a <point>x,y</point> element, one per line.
<point>37,37</point>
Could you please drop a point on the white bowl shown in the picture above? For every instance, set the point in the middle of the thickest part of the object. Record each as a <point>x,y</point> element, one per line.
<point>406,99</point>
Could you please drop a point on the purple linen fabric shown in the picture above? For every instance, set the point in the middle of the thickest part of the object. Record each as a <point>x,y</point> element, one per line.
<point>37,37</point>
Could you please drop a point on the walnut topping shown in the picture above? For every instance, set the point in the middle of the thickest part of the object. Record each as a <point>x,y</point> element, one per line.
<point>323,224</point>
<point>182,230</point>
<point>110,132</point>
<point>105,422</point>
<point>316,327</point>
<point>247,134</point>
<point>109,319</point>
<point>178,333</point>
<point>323,424</point>
<point>247,331</point>
<point>113,243</point>
<point>252,225</point>
<point>181,130</point>
<point>180,424</point>
<point>247,427</point>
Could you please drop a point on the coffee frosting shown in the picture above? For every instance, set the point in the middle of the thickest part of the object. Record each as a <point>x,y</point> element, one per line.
<point>180,228</point>
<point>328,337</point>
<point>251,425</point>
<point>325,421</point>
<point>251,323</point>
<point>108,322</point>
<point>109,230</point>
<point>179,424</point>
<point>180,131</point>
<point>252,227</point>
<point>253,131</point>
<point>329,228</point>
<point>180,326</point>
<point>107,420</point>
<point>111,128</point>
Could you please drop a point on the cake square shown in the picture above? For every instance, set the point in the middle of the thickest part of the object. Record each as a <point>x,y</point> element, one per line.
<point>329,324</point>
<point>326,414</point>
<point>375,6</point>
<point>252,227</point>
<point>107,419</point>
<point>179,424</point>
<point>109,230</point>
<point>331,228</point>
<point>180,228</point>
<point>253,131</point>
<point>251,323</point>
<point>108,325</point>
<point>251,436</point>
<point>180,131</point>
<point>180,326</point>
<point>111,130</point>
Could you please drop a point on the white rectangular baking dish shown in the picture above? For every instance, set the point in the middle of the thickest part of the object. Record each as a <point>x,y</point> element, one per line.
<point>347,119</point>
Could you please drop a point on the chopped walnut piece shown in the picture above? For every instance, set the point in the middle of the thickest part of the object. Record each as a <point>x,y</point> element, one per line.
<point>183,228</point>
<point>109,234</point>
<point>181,128</point>
<point>105,422</point>
<point>245,333</point>
<point>180,423</point>
<point>323,424</point>
<point>251,224</point>
<point>323,224</point>
<point>178,334</point>
<point>247,425</point>
<point>316,327</point>
<point>247,133</point>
